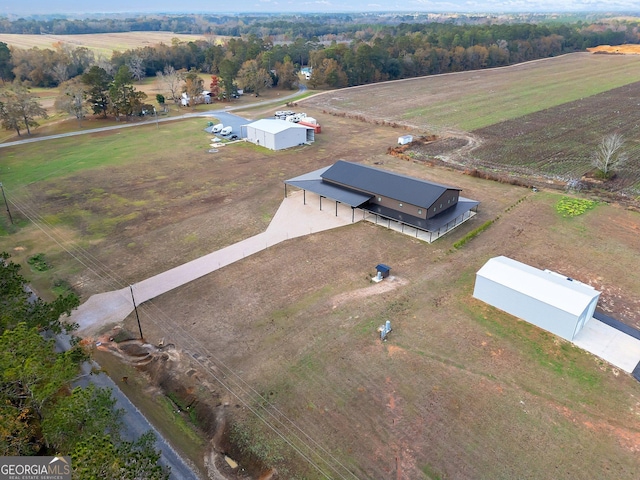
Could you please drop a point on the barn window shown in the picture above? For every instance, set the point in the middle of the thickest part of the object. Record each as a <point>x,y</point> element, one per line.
<point>400,205</point>
<point>419,211</point>
<point>379,199</point>
<point>434,209</point>
<point>440,205</point>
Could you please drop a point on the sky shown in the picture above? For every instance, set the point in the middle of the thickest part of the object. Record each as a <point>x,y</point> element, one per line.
<point>31,7</point>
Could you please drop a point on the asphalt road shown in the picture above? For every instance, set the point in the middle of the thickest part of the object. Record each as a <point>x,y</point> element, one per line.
<point>134,422</point>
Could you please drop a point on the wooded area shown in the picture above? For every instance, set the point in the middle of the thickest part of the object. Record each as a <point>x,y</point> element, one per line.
<point>343,53</point>
<point>42,412</point>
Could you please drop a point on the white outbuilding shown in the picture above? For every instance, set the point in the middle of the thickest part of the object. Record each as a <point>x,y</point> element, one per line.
<point>278,134</point>
<point>554,302</point>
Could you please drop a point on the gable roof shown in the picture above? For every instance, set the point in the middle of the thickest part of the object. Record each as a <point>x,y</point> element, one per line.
<point>273,126</point>
<point>549,287</point>
<point>381,182</point>
<point>312,181</point>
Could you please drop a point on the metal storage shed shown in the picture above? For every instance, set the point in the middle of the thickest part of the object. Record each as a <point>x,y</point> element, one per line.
<point>546,299</point>
<point>383,269</point>
<point>278,134</point>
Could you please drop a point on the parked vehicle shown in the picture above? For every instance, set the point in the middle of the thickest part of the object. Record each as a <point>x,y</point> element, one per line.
<point>217,128</point>
<point>233,137</point>
<point>226,131</point>
<point>283,114</point>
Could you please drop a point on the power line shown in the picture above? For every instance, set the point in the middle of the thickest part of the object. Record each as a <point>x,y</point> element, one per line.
<point>112,280</point>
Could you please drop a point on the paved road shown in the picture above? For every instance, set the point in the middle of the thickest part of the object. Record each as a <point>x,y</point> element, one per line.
<point>135,423</point>
<point>210,113</point>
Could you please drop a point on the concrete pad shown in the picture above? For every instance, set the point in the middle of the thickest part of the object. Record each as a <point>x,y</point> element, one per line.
<point>614,346</point>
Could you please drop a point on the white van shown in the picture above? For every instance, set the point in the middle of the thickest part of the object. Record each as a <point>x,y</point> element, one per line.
<point>217,128</point>
<point>226,131</point>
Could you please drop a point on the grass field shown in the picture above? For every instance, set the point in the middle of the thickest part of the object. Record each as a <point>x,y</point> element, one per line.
<point>459,390</point>
<point>101,43</point>
<point>472,100</point>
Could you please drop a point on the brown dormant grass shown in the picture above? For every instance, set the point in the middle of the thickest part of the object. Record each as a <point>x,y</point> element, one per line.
<point>104,43</point>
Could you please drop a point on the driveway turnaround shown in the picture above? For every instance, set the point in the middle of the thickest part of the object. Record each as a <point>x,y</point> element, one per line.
<point>616,347</point>
<point>293,219</point>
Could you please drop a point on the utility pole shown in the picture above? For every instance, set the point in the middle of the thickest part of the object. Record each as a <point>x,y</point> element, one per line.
<point>136,309</point>
<point>6,203</point>
<point>155,112</point>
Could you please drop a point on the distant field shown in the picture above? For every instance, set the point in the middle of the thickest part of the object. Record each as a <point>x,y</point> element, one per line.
<point>541,118</point>
<point>100,42</point>
<point>622,49</point>
<point>476,99</point>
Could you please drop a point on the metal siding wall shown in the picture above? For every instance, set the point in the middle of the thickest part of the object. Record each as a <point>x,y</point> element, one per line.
<point>534,311</point>
<point>270,141</point>
<point>449,194</point>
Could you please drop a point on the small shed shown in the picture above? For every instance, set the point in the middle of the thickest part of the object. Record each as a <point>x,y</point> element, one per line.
<point>549,300</point>
<point>404,139</point>
<point>278,134</point>
<point>383,270</point>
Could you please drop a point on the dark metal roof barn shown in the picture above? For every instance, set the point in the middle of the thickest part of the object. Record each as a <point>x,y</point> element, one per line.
<point>381,182</point>
<point>428,209</point>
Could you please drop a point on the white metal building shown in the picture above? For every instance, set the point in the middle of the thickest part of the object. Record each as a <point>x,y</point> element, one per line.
<point>558,304</point>
<point>278,134</point>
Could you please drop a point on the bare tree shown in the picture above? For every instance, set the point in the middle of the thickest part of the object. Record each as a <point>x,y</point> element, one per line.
<point>105,64</point>
<point>253,78</point>
<point>609,156</point>
<point>72,100</point>
<point>136,67</point>
<point>193,87</point>
<point>60,72</point>
<point>172,80</point>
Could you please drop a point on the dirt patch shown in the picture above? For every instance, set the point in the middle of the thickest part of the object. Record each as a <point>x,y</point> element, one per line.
<point>616,49</point>
<point>386,285</point>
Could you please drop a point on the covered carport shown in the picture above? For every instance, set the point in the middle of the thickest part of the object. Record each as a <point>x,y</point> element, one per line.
<point>312,182</point>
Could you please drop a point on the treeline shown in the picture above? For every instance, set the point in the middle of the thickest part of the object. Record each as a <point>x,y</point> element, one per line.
<point>374,54</point>
<point>291,26</point>
<point>43,412</point>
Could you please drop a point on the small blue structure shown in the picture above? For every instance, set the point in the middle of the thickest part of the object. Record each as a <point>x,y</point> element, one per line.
<point>384,330</point>
<point>383,270</point>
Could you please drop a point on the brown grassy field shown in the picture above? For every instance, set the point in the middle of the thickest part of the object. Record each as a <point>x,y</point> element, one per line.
<point>458,391</point>
<point>476,99</point>
<point>104,43</point>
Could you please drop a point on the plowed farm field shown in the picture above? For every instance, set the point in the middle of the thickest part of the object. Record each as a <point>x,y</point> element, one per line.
<point>541,119</point>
